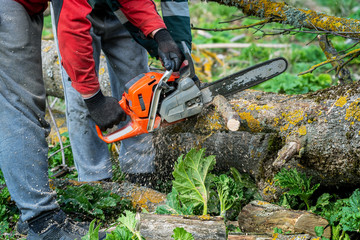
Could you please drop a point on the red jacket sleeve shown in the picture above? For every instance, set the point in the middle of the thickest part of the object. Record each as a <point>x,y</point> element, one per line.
<point>75,45</point>
<point>143,14</point>
<point>75,41</point>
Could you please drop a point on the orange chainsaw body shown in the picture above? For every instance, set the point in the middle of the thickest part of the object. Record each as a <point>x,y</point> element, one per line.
<point>136,102</point>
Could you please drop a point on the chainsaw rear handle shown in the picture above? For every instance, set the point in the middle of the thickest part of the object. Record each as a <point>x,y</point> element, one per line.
<point>136,126</point>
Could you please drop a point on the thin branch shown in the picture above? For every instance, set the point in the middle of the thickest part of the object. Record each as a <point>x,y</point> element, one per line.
<point>318,32</point>
<point>61,149</point>
<point>355,53</point>
<point>352,46</point>
<point>233,28</point>
<point>57,132</point>
<point>233,20</point>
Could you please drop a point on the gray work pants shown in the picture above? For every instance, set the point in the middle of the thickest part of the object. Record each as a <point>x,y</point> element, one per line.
<point>23,148</point>
<point>125,60</point>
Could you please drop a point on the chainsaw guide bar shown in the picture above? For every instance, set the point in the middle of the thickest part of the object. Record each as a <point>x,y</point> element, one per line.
<point>244,79</point>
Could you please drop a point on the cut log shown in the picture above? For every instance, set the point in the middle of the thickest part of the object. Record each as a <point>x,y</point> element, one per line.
<point>231,118</point>
<point>263,217</point>
<point>154,227</point>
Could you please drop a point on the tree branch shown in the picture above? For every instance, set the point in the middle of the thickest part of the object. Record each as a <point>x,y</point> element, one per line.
<point>299,18</point>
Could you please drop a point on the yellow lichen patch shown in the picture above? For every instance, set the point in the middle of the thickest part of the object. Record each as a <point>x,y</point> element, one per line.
<point>258,108</point>
<point>269,190</point>
<point>142,197</point>
<point>262,203</point>
<point>204,217</point>
<point>47,48</point>
<point>284,128</point>
<point>276,121</point>
<point>53,136</point>
<point>293,117</point>
<point>214,123</point>
<point>341,101</point>
<point>101,71</point>
<point>353,112</point>
<point>302,130</point>
<point>253,123</point>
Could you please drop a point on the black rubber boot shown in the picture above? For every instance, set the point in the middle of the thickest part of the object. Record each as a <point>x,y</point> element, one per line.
<point>55,225</point>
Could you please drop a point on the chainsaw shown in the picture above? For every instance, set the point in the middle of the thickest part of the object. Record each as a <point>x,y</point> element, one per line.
<point>154,99</point>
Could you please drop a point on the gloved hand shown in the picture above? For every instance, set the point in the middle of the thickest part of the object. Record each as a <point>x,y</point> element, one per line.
<point>168,51</point>
<point>105,111</point>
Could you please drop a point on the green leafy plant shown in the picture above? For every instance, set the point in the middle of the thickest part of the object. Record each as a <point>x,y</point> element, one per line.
<point>92,201</point>
<point>129,221</point>
<point>120,232</point>
<point>278,230</point>
<point>338,234</point>
<point>55,157</point>
<point>349,215</point>
<point>323,204</point>
<point>190,178</point>
<point>319,231</point>
<point>174,206</point>
<point>228,192</point>
<point>297,184</point>
<point>182,234</point>
<point>291,84</point>
<point>9,213</point>
<point>93,233</point>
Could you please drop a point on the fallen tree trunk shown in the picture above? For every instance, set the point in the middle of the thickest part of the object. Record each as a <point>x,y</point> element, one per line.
<point>52,75</point>
<point>318,133</point>
<point>154,227</point>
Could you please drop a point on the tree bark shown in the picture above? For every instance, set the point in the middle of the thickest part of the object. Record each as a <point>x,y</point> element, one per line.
<point>299,18</point>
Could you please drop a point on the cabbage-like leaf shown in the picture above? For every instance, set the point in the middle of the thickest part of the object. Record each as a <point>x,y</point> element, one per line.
<point>181,234</point>
<point>190,178</point>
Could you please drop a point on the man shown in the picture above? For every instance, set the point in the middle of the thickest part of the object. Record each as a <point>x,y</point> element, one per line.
<point>23,154</point>
<point>126,59</point>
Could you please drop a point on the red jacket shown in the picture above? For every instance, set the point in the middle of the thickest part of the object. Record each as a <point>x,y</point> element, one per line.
<point>75,42</point>
<point>34,6</point>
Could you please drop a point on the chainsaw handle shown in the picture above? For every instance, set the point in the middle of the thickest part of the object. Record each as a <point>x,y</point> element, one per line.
<point>136,126</point>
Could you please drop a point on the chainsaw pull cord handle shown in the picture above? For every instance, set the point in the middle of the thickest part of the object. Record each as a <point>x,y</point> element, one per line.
<point>155,99</point>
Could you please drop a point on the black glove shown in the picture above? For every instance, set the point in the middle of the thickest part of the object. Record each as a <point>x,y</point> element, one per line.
<point>105,111</point>
<point>168,51</point>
